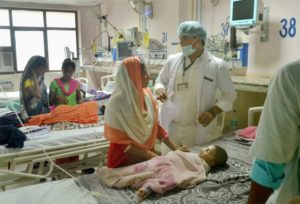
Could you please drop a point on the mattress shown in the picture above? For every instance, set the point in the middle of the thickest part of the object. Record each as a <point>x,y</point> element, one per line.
<point>56,138</point>
<point>59,192</point>
<point>229,184</point>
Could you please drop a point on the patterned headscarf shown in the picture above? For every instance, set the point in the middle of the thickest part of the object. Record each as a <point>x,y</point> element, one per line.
<point>131,115</point>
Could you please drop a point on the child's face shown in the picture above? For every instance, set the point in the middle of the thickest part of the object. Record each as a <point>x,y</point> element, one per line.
<point>208,154</point>
<point>68,72</point>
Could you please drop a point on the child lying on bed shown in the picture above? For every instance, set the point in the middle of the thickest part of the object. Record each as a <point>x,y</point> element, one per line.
<point>177,169</point>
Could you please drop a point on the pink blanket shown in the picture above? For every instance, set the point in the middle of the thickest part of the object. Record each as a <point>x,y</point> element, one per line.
<point>175,170</point>
<point>248,133</point>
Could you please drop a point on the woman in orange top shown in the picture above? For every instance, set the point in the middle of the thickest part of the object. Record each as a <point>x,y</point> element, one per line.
<point>131,117</point>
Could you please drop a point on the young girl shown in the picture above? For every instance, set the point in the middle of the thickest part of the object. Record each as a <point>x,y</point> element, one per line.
<point>65,90</point>
<point>177,169</point>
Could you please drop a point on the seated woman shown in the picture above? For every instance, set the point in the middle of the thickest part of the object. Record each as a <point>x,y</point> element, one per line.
<point>33,91</point>
<point>131,123</point>
<point>177,169</point>
<point>65,90</point>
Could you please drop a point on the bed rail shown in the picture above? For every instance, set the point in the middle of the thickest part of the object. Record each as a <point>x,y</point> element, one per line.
<point>17,169</point>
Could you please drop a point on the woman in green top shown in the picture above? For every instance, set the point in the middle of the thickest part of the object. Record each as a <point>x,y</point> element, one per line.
<point>65,90</point>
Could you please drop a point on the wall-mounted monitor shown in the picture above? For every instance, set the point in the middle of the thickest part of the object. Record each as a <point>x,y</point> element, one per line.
<point>246,13</point>
<point>124,49</point>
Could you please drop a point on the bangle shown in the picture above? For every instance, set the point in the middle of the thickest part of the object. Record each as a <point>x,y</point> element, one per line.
<point>210,111</point>
<point>127,148</point>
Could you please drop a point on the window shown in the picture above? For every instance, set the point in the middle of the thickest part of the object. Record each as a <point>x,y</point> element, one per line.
<point>28,32</point>
<point>54,20</point>
<point>4,17</point>
<point>28,43</point>
<point>5,38</point>
<point>27,18</point>
<point>57,41</point>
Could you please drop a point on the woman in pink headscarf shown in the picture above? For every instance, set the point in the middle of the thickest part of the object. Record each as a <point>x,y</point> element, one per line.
<point>131,117</point>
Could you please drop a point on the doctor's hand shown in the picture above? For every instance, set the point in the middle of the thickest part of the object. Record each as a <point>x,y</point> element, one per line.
<point>206,118</point>
<point>161,94</point>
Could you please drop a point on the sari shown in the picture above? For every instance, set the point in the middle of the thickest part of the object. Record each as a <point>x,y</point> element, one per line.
<point>131,117</point>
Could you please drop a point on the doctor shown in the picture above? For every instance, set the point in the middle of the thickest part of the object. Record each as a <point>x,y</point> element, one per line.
<point>188,85</point>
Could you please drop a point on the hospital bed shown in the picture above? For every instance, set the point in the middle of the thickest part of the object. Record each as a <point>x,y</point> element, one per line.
<point>13,97</point>
<point>56,138</point>
<point>229,184</point>
<point>91,154</point>
<point>87,143</point>
<point>9,95</point>
<point>251,112</point>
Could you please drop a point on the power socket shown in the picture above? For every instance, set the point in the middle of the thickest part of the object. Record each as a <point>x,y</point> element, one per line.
<point>6,84</point>
<point>158,55</point>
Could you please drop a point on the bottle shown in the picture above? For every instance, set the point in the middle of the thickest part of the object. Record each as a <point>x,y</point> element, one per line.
<point>233,121</point>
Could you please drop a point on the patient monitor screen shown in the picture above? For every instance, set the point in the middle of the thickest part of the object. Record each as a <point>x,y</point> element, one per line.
<point>124,49</point>
<point>243,10</point>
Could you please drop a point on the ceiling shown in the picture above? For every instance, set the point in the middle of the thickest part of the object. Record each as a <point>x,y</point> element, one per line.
<point>64,2</point>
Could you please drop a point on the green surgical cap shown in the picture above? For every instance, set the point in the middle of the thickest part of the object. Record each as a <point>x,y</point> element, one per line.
<point>193,29</point>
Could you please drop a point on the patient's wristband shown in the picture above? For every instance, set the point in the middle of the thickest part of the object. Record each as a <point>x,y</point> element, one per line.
<point>210,111</point>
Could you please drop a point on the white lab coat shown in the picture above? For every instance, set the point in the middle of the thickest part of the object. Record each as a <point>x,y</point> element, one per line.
<point>278,134</point>
<point>207,75</point>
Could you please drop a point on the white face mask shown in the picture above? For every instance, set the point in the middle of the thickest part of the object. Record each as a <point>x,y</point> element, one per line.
<point>188,50</point>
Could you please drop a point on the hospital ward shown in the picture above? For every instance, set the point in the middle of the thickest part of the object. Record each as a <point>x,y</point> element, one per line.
<point>149,101</point>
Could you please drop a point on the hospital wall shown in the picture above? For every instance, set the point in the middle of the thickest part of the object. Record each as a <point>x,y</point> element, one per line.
<point>265,58</point>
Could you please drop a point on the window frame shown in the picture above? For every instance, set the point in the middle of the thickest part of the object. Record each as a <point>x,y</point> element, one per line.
<point>43,29</point>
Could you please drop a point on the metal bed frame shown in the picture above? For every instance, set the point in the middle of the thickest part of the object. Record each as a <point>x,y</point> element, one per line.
<point>91,154</point>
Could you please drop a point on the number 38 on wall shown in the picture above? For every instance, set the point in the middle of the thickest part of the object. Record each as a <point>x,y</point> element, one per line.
<point>288,27</point>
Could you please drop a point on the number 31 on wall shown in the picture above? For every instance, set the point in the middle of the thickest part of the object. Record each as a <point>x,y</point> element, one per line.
<point>288,27</point>
<point>164,38</point>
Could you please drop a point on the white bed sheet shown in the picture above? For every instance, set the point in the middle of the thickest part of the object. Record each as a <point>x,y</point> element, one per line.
<point>55,138</point>
<point>59,192</point>
<point>10,95</point>
<point>13,95</point>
